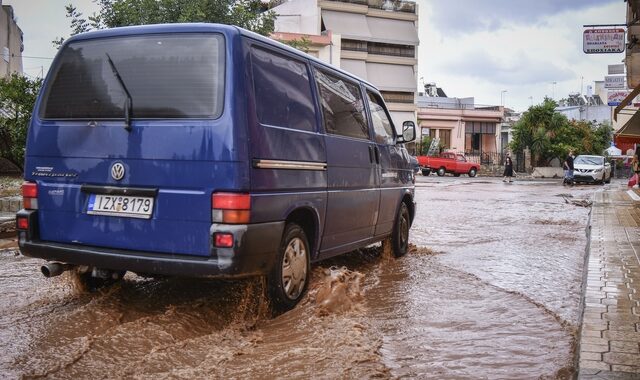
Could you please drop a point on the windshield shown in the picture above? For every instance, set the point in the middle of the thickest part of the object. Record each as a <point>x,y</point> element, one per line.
<point>587,160</point>
<point>168,76</point>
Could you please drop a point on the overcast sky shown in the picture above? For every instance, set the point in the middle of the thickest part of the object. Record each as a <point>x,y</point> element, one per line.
<point>470,48</point>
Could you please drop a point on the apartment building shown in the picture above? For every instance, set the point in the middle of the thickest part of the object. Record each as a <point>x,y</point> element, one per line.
<point>11,43</point>
<point>376,40</point>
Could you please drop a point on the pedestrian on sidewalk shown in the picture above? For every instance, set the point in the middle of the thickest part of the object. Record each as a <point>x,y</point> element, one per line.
<point>568,169</point>
<point>508,170</point>
<point>635,163</point>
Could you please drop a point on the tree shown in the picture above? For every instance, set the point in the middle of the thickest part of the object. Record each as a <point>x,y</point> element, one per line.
<point>538,129</point>
<point>115,13</point>
<point>549,134</point>
<point>17,97</point>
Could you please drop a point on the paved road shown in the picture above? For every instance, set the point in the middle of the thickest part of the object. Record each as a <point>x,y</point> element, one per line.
<point>492,290</point>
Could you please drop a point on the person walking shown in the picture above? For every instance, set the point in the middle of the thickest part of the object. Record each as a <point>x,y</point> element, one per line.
<point>568,169</point>
<point>508,170</point>
<point>635,164</point>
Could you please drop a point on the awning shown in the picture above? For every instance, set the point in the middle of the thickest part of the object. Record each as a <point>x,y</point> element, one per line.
<point>348,25</point>
<point>355,67</point>
<point>625,102</point>
<point>390,31</point>
<point>631,128</point>
<point>392,77</point>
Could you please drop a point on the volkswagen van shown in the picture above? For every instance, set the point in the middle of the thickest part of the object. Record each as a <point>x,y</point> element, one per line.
<point>207,150</point>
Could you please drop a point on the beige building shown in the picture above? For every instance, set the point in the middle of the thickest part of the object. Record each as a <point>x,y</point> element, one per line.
<point>461,125</point>
<point>376,40</point>
<point>11,43</point>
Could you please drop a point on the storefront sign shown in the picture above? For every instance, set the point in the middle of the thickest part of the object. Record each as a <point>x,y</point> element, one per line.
<point>614,98</point>
<point>614,81</point>
<point>596,41</point>
<point>616,69</point>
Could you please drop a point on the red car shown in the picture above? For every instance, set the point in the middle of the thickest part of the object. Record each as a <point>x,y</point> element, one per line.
<point>448,162</point>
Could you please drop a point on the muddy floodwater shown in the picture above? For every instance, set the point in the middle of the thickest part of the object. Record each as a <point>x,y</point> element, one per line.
<point>490,290</point>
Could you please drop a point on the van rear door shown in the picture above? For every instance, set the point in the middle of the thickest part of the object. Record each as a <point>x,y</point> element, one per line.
<point>129,139</point>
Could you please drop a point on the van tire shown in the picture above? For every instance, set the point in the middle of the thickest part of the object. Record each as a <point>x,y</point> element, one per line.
<point>426,172</point>
<point>473,172</point>
<point>289,277</point>
<point>441,172</point>
<point>400,235</point>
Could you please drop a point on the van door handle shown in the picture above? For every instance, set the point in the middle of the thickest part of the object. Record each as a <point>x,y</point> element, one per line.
<point>376,153</point>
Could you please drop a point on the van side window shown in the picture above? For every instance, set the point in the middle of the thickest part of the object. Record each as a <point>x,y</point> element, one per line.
<point>342,106</point>
<point>283,91</point>
<point>381,124</point>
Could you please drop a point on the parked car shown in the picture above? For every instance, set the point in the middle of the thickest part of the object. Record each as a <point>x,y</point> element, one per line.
<point>208,150</point>
<point>593,169</point>
<point>448,162</point>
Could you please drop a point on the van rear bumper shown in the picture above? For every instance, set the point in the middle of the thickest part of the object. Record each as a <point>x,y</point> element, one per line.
<point>253,254</point>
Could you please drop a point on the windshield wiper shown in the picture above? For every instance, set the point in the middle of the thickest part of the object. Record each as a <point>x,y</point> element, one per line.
<point>128,105</point>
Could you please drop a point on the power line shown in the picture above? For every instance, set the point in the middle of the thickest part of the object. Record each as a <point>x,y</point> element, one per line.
<point>29,56</point>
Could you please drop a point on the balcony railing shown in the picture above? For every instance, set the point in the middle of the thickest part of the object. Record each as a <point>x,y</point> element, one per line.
<point>387,5</point>
<point>457,106</point>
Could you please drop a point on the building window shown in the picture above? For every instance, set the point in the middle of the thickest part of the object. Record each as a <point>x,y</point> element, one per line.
<point>391,49</point>
<point>480,136</point>
<point>354,45</point>
<point>397,97</point>
<point>445,138</point>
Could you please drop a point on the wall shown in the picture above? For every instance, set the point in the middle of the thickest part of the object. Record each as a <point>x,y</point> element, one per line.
<point>11,38</point>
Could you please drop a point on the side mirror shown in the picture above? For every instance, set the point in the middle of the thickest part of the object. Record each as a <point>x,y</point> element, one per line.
<point>408,132</point>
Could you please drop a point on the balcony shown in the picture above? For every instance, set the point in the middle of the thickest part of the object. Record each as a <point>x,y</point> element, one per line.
<point>387,5</point>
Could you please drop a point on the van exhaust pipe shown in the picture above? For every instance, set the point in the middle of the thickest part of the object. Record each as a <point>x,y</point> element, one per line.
<point>54,269</point>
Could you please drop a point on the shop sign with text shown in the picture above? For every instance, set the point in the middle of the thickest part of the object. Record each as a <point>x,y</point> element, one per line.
<point>597,41</point>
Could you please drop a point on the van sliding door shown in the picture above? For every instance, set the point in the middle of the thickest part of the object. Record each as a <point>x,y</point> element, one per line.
<point>353,194</point>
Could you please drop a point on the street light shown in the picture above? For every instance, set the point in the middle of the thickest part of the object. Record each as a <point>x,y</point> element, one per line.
<point>554,90</point>
<point>503,96</point>
<point>531,99</point>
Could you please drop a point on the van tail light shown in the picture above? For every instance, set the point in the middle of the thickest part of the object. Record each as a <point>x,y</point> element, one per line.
<point>22,223</point>
<point>30,196</point>
<point>231,208</point>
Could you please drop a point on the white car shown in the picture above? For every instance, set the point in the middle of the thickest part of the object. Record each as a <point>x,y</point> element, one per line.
<point>591,169</point>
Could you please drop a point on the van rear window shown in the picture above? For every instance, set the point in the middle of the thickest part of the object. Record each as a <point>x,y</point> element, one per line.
<point>167,76</point>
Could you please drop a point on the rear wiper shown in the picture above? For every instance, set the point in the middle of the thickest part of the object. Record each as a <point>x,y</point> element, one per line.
<point>128,105</point>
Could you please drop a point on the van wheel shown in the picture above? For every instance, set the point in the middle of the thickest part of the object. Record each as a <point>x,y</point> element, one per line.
<point>609,179</point>
<point>400,235</point>
<point>426,172</point>
<point>441,172</point>
<point>289,277</point>
<point>473,172</point>
<point>456,174</point>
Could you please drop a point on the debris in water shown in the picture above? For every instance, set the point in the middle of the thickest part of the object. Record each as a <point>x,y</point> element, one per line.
<point>578,202</point>
<point>339,291</point>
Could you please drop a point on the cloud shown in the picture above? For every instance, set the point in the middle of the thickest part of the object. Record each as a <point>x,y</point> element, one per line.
<point>519,69</point>
<point>462,16</point>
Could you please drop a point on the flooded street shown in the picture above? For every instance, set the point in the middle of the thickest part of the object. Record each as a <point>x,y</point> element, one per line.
<point>491,290</point>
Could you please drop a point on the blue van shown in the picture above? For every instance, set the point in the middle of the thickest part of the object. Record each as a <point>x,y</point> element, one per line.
<point>209,151</point>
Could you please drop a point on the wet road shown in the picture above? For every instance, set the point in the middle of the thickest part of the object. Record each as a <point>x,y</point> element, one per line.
<point>492,291</point>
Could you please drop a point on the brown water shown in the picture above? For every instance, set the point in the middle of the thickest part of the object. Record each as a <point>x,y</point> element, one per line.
<point>494,294</point>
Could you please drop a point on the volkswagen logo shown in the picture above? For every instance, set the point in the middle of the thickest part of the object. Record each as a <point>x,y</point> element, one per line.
<point>117,171</point>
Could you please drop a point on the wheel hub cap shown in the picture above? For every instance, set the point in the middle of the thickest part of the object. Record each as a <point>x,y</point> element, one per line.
<point>294,268</point>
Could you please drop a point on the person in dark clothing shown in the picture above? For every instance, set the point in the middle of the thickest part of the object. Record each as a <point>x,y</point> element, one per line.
<point>568,169</point>
<point>508,170</point>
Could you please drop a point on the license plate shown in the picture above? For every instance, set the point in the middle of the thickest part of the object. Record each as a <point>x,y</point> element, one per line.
<point>120,205</point>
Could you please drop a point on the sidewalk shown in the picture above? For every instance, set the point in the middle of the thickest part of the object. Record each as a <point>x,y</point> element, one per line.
<point>609,342</point>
